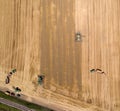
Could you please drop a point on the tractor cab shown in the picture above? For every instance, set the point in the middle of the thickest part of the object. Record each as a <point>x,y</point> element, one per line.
<point>41,79</point>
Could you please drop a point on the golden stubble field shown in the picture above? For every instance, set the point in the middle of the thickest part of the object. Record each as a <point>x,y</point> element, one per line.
<point>38,36</point>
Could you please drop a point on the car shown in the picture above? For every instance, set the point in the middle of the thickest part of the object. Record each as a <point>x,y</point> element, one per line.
<point>7,92</point>
<point>12,94</point>
<point>18,95</point>
<point>7,81</point>
<point>18,89</point>
<point>14,70</point>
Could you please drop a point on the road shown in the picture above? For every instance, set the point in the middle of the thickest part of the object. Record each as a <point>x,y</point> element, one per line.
<point>15,105</point>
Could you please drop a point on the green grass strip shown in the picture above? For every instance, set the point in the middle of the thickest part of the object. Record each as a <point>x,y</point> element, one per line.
<point>23,102</point>
<point>4,107</point>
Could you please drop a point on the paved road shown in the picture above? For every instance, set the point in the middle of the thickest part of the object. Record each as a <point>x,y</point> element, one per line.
<point>15,105</point>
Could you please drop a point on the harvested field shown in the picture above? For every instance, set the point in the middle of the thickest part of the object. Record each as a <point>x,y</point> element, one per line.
<point>38,37</point>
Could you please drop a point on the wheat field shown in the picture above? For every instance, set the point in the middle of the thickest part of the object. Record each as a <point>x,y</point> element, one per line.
<point>38,37</point>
